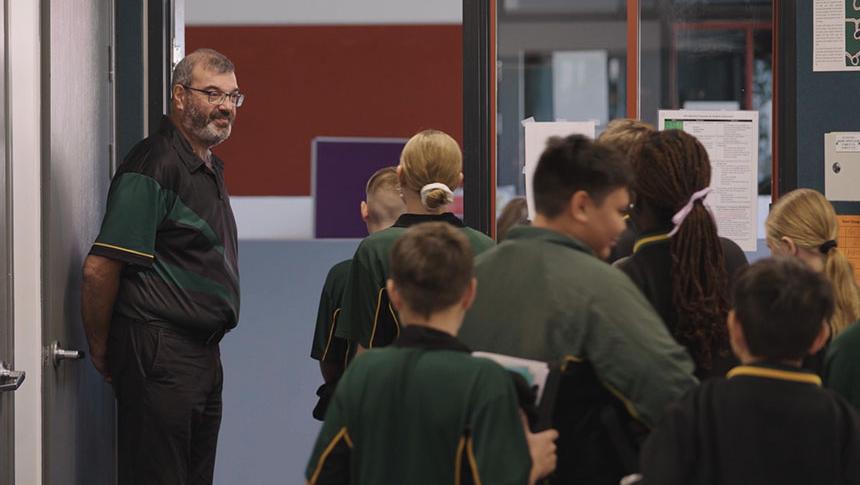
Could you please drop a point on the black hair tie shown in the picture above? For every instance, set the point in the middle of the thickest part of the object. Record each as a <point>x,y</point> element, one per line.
<point>827,246</point>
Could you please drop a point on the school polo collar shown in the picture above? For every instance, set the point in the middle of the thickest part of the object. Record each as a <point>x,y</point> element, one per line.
<point>651,238</point>
<point>183,147</point>
<point>775,371</point>
<point>409,220</point>
<point>533,232</point>
<point>419,336</point>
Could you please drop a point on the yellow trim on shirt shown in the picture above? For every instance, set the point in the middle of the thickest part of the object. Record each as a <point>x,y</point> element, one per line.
<point>458,460</point>
<point>330,333</point>
<point>328,449</point>
<point>649,240</point>
<point>567,359</point>
<point>473,463</point>
<point>126,250</point>
<point>785,375</point>
<point>375,317</point>
<point>396,321</point>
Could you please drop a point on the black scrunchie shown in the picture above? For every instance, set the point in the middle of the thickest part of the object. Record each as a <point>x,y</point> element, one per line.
<point>827,246</point>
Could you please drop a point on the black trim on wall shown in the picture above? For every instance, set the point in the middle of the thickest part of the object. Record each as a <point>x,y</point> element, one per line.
<point>128,75</point>
<point>786,76</point>
<point>158,58</point>
<point>477,187</point>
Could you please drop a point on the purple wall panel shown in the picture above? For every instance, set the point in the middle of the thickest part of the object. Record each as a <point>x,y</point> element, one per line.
<point>342,167</point>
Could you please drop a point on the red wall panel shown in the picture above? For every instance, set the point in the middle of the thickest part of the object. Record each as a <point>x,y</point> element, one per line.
<point>308,81</point>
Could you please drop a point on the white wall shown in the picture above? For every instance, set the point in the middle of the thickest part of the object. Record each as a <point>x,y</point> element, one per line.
<point>277,12</point>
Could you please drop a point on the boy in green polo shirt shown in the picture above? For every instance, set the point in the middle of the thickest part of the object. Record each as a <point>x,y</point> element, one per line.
<point>546,294</point>
<point>423,410</point>
<point>769,421</point>
<point>380,209</point>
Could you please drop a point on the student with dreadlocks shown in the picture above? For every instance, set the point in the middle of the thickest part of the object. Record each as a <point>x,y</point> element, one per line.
<point>684,269</point>
<point>803,224</point>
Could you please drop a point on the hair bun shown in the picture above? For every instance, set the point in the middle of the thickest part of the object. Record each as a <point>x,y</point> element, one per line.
<point>436,195</point>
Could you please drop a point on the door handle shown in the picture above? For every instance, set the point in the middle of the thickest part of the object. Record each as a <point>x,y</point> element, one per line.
<point>15,378</point>
<point>59,354</point>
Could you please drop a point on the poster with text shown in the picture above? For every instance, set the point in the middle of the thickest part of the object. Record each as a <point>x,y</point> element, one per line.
<point>836,36</point>
<point>731,140</point>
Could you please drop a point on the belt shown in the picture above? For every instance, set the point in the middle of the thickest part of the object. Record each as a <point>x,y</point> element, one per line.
<point>205,338</point>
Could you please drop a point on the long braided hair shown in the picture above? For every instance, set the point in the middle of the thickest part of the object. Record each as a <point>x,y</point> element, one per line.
<point>670,167</point>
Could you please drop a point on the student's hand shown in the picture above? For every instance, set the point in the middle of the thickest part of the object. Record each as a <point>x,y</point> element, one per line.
<point>542,449</point>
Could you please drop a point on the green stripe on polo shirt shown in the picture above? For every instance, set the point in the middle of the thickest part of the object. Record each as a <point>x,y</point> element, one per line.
<point>182,214</point>
<point>191,281</point>
<point>136,206</point>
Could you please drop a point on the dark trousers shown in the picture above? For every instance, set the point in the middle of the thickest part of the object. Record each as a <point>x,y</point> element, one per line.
<point>168,390</point>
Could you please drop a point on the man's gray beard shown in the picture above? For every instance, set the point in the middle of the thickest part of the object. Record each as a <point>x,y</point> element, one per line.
<point>200,125</point>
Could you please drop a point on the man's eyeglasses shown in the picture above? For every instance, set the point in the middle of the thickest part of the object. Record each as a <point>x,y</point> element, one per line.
<point>217,97</point>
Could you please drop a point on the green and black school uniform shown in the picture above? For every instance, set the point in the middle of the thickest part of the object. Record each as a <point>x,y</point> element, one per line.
<point>842,365</point>
<point>327,347</point>
<point>367,317</point>
<point>766,423</point>
<point>544,296</point>
<point>422,411</point>
<point>650,268</point>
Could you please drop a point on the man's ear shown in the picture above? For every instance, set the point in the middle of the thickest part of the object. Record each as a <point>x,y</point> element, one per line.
<point>177,100</point>
<point>393,296</point>
<point>579,206</point>
<point>820,339</point>
<point>365,211</point>
<point>470,294</point>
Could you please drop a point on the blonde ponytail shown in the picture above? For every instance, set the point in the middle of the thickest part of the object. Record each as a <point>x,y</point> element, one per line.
<point>431,165</point>
<point>841,274</point>
<point>807,217</point>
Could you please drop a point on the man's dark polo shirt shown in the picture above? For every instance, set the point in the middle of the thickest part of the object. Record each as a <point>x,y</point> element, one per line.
<point>169,217</point>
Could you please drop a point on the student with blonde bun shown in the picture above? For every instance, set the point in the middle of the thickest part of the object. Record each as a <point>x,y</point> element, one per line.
<point>430,169</point>
<point>803,224</point>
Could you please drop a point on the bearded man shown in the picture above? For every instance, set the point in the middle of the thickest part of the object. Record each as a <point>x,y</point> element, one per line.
<point>161,282</point>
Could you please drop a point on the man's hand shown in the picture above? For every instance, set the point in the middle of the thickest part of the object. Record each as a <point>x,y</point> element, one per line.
<point>542,448</point>
<point>98,293</point>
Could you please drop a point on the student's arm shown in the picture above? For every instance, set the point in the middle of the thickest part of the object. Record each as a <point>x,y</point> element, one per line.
<point>668,455</point>
<point>330,459</point>
<point>633,354</point>
<point>497,450</point>
<point>361,299</point>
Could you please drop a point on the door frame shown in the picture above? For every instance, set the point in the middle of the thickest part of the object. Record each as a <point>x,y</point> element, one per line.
<point>24,118</point>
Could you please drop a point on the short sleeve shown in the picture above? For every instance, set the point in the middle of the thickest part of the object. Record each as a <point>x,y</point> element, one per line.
<point>136,206</point>
<point>330,459</point>
<point>362,301</point>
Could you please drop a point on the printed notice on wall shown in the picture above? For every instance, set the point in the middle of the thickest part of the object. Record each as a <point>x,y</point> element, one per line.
<point>849,241</point>
<point>731,140</point>
<point>836,38</point>
<point>536,136</point>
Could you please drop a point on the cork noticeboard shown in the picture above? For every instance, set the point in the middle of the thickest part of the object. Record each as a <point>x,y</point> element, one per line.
<point>849,241</point>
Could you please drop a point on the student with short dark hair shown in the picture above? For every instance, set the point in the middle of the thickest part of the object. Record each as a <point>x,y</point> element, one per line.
<point>430,169</point>
<point>679,262</point>
<point>380,209</point>
<point>769,421</point>
<point>545,294</point>
<point>423,410</point>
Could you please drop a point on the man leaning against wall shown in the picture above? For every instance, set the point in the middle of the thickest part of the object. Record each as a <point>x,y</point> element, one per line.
<point>161,282</point>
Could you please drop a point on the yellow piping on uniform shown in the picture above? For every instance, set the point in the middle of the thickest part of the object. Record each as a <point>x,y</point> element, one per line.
<point>628,404</point>
<point>473,463</point>
<point>118,248</point>
<point>330,333</point>
<point>328,449</point>
<point>375,317</point>
<point>568,359</point>
<point>458,460</point>
<point>648,240</point>
<point>745,370</point>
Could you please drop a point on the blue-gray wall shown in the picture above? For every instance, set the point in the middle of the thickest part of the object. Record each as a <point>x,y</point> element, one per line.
<point>269,379</point>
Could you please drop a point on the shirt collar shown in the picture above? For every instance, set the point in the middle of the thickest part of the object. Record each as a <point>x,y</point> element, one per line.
<point>409,220</point>
<point>533,232</point>
<point>421,337</point>
<point>769,370</point>
<point>183,147</point>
